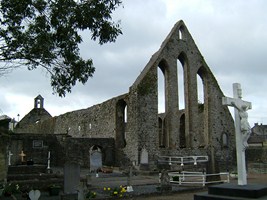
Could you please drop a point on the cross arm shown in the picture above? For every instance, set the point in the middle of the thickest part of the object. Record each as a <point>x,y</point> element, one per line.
<point>228,101</point>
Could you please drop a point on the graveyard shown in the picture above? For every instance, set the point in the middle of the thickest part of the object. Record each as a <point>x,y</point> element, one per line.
<point>125,148</point>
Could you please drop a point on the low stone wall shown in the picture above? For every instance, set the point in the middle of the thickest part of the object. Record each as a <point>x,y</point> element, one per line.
<point>62,148</point>
<point>256,155</point>
<point>3,158</point>
<point>36,148</point>
<point>257,159</point>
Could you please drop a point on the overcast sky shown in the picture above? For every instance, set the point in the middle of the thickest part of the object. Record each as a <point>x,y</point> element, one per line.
<point>231,36</point>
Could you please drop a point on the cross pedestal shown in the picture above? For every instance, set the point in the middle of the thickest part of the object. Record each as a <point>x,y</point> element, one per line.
<point>242,129</point>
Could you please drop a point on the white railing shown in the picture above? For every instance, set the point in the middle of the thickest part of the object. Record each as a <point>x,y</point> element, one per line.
<point>185,177</point>
<point>183,160</point>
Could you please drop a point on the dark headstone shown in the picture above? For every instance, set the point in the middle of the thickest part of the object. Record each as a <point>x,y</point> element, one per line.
<point>71,178</point>
<point>165,184</point>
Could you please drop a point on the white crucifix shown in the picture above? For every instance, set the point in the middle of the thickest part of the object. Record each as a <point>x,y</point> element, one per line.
<point>242,129</point>
<point>9,157</point>
<point>48,160</point>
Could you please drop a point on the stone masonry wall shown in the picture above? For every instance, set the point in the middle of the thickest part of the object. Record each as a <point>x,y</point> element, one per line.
<point>3,157</point>
<point>78,150</point>
<point>38,154</point>
<point>97,121</point>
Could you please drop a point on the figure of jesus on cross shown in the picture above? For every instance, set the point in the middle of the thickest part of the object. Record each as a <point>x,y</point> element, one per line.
<point>242,129</point>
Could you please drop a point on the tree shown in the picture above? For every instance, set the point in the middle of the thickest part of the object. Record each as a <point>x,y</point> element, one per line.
<point>45,33</point>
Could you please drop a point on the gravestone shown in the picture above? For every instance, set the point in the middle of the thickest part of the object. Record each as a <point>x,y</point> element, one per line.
<point>71,178</point>
<point>165,184</point>
<point>22,157</point>
<point>129,180</point>
<point>144,160</point>
<point>109,156</point>
<point>95,160</point>
<point>34,194</point>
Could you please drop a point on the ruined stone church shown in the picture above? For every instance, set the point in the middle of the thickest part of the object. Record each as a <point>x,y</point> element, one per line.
<point>129,130</point>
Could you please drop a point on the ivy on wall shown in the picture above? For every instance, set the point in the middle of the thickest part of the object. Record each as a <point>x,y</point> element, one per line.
<point>147,85</point>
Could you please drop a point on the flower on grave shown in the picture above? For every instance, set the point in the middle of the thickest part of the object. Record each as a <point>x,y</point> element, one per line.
<point>123,189</point>
<point>90,195</point>
<point>116,192</point>
<point>11,188</point>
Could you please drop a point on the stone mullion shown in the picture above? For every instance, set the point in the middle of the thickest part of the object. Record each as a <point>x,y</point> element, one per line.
<point>171,99</point>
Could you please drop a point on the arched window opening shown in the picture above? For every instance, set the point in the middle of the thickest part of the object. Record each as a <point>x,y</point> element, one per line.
<point>202,77</point>
<point>200,93</point>
<point>161,90</point>
<point>121,122</point>
<point>181,91</point>
<point>181,33</point>
<point>39,102</point>
<point>125,114</point>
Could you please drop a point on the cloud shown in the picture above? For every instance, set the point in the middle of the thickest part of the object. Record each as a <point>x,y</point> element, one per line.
<point>231,35</point>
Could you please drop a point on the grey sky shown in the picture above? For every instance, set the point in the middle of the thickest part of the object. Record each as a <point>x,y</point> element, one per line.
<point>231,35</point>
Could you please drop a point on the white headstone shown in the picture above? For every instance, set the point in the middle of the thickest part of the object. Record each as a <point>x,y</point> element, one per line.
<point>242,129</point>
<point>34,194</point>
<point>95,160</point>
<point>48,160</point>
<point>144,156</point>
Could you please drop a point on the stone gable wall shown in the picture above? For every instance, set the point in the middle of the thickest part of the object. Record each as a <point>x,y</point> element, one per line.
<point>203,129</point>
<point>28,123</point>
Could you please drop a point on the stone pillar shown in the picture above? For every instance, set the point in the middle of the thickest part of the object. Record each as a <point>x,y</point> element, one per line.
<point>171,100</point>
